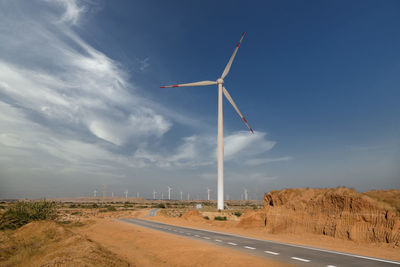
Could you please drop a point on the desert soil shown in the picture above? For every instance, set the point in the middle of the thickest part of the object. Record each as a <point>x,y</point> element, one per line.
<point>146,247</point>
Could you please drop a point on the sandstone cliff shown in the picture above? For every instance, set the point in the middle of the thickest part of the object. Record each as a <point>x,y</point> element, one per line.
<point>339,212</point>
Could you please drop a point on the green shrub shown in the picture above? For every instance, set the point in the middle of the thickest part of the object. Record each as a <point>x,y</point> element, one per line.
<point>22,213</point>
<point>111,208</point>
<point>220,218</point>
<point>161,206</point>
<point>94,206</point>
<point>206,217</point>
<point>238,214</point>
<point>128,205</point>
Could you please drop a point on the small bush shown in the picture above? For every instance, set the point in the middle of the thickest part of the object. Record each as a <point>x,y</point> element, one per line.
<point>128,205</point>
<point>238,214</point>
<point>76,213</point>
<point>220,218</point>
<point>161,206</point>
<point>206,217</point>
<point>94,206</point>
<point>111,208</point>
<point>72,206</point>
<point>22,213</point>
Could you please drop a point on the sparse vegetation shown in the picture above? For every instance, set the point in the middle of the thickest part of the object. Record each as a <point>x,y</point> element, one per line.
<point>238,213</point>
<point>161,206</point>
<point>206,217</point>
<point>220,218</point>
<point>22,213</point>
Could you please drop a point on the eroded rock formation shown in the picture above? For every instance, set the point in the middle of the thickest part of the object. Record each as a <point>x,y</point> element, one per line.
<point>340,213</point>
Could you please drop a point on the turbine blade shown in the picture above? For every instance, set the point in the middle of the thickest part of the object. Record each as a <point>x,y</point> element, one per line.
<point>228,96</point>
<point>228,66</point>
<point>202,83</point>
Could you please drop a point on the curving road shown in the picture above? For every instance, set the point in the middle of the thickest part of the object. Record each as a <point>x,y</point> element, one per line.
<point>288,253</point>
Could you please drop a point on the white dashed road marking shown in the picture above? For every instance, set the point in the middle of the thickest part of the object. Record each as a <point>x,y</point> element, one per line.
<point>271,252</point>
<point>196,235</point>
<point>233,244</point>
<point>330,266</point>
<point>249,247</point>
<point>217,240</point>
<point>300,259</point>
<point>206,237</point>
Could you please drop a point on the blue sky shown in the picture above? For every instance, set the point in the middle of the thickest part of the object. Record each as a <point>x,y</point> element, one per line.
<point>80,103</point>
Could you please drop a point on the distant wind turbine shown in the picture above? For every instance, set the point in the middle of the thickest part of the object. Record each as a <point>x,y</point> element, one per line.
<point>154,194</point>
<point>169,192</point>
<point>245,194</point>
<point>95,193</point>
<point>181,195</point>
<point>126,194</point>
<point>220,138</point>
<point>208,193</point>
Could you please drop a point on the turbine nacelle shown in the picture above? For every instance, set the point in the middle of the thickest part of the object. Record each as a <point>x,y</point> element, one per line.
<point>220,81</point>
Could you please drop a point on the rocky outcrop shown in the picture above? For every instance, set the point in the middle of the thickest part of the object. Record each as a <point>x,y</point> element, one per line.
<point>340,213</point>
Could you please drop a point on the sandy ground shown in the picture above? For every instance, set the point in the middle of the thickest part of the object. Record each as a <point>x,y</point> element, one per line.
<point>372,250</point>
<point>146,247</point>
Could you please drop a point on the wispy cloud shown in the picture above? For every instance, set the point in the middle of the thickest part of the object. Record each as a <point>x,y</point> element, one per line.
<point>259,161</point>
<point>200,150</point>
<point>67,107</point>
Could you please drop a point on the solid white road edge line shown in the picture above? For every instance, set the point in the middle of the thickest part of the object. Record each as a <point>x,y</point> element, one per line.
<point>300,259</point>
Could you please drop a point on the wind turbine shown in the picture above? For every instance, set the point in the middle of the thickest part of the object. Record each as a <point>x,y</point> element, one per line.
<point>245,194</point>
<point>181,194</point>
<point>154,194</point>
<point>126,194</point>
<point>169,192</point>
<point>95,193</point>
<point>220,138</point>
<point>208,193</point>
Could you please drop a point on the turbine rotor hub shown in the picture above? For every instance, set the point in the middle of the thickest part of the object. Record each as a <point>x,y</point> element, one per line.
<point>220,81</point>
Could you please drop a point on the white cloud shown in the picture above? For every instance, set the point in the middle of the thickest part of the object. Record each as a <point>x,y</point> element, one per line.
<point>72,11</point>
<point>196,151</point>
<point>244,144</point>
<point>259,161</point>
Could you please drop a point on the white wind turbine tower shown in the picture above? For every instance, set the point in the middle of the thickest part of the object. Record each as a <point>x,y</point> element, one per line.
<point>181,195</point>
<point>95,193</point>
<point>154,194</point>
<point>169,192</point>
<point>220,138</point>
<point>126,194</point>
<point>208,193</point>
<point>245,194</point>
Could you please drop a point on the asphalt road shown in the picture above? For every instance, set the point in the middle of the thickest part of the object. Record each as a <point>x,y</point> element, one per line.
<point>288,253</point>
